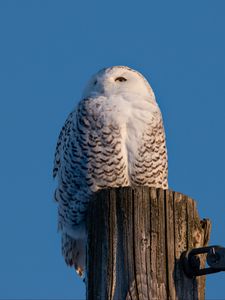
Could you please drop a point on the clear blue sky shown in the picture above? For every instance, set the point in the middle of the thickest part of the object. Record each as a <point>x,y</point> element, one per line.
<point>48,50</point>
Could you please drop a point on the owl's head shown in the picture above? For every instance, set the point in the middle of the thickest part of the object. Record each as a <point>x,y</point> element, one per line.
<point>118,80</point>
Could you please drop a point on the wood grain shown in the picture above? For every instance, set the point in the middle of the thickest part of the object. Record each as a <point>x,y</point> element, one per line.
<point>135,239</point>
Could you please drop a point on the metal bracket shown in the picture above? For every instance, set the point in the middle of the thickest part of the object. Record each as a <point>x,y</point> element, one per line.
<point>215,257</point>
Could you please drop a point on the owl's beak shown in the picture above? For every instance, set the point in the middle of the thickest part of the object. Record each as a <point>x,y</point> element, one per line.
<point>101,89</point>
<point>103,83</point>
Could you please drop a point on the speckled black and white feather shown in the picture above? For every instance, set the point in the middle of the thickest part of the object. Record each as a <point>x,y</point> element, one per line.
<point>114,137</point>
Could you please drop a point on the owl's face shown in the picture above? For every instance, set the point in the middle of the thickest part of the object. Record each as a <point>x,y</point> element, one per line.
<point>118,80</point>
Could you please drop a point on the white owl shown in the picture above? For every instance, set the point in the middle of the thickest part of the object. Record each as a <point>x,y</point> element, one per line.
<point>113,138</point>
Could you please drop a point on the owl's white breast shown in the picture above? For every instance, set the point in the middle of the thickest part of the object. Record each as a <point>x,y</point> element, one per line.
<point>133,114</point>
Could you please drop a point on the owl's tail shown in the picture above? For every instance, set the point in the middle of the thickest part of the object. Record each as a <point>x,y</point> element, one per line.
<point>74,252</point>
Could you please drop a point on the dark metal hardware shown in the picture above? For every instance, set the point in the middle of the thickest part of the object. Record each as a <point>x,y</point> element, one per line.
<point>215,257</point>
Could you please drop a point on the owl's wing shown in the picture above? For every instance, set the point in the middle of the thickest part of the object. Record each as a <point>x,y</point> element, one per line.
<point>70,185</point>
<point>150,163</point>
<point>61,143</point>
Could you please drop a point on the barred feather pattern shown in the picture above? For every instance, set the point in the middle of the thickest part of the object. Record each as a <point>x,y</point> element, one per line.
<point>102,146</point>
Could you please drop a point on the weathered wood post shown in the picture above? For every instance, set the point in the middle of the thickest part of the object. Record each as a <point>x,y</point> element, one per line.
<point>136,237</point>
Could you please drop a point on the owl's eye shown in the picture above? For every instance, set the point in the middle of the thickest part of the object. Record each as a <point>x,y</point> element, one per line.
<point>120,79</point>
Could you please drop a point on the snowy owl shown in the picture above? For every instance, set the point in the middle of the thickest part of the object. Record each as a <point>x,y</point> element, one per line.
<point>113,138</point>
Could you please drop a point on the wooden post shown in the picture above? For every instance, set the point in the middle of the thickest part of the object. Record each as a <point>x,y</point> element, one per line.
<point>135,239</point>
